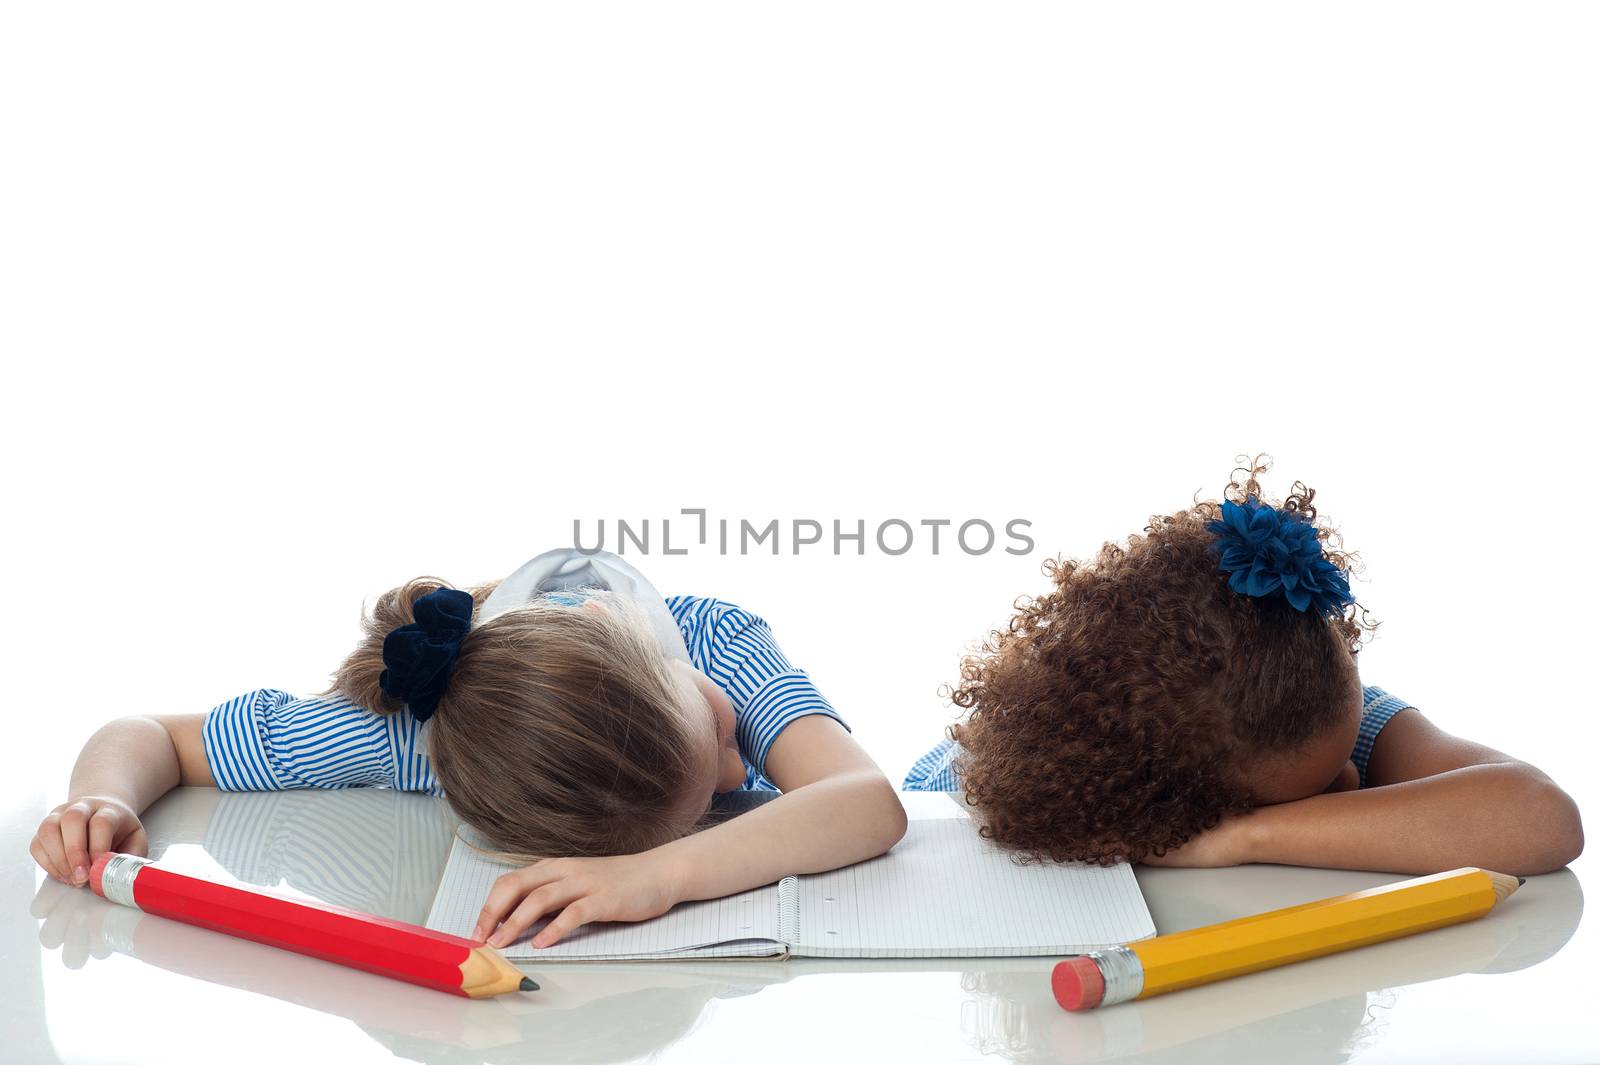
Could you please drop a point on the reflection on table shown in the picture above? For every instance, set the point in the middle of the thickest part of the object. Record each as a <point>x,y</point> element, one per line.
<point>382,852</point>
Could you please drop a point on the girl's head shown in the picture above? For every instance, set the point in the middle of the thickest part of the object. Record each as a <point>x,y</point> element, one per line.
<point>1145,697</point>
<point>564,728</point>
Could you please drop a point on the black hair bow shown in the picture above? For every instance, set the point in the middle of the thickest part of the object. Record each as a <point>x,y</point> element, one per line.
<point>421,656</point>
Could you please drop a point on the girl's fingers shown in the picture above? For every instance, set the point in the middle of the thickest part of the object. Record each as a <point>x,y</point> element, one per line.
<point>36,848</point>
<point>75,839</point>
<point>50,838</point>
<point>104,825</point>
<point>574,916</point>
<point>135,842</point>
<point>535,906</point>
<point>71,837</point>
<point>505,893</point>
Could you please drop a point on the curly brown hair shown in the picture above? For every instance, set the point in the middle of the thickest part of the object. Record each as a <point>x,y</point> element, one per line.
<point>1108,720</point>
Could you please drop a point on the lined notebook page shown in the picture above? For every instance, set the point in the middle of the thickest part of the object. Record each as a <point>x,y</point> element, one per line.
<point>739,926</point>
<point>943,891</point>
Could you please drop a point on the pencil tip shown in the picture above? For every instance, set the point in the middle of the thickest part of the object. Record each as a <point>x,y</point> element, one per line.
<point>1521,880</point>
<point>527,985</point>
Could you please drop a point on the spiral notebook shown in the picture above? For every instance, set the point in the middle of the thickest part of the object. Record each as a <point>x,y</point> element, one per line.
<point>942,892</point>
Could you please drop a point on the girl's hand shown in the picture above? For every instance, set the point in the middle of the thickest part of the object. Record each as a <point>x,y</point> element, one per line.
<point>78,831</point>
<point>630,887</point>
<point>1223,845</point>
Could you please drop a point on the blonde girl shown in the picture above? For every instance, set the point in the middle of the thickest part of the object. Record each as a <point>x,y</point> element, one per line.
<point>568,713</point>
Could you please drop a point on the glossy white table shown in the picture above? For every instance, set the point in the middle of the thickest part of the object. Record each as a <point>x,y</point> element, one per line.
<point>88,981</point>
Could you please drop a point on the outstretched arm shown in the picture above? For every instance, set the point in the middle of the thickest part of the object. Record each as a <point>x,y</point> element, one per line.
<point>1433,802</point>
<point>837,808</point>
<point>123,768</point>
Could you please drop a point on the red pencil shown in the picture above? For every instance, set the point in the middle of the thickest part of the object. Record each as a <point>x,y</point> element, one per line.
<point>376,944</point>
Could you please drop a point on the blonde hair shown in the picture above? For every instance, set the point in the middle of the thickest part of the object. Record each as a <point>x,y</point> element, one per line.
<point>562,732</point>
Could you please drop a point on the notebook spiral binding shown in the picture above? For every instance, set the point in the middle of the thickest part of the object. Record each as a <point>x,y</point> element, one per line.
<point>788,912</point>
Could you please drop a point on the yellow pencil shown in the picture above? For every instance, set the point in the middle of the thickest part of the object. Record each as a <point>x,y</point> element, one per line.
<point>1233,948</point>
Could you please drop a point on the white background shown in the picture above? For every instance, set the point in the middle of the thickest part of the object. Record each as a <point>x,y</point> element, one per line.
<point>301,301</point>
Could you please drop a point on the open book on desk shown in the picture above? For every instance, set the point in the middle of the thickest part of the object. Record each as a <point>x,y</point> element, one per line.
<point>942,892</point>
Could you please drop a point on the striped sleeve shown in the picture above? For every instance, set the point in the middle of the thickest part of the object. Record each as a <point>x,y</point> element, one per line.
<point>268,740</point>
<point>936,770</point>
<point>1377,707</point>
<point>735,648</point>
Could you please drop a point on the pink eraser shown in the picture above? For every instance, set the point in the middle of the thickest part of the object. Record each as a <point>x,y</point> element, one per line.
<point>96,869</point>
<point>1078,984</point>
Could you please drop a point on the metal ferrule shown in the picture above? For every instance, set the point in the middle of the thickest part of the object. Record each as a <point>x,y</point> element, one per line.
<point>116,879</point>
<point>1123,973</point>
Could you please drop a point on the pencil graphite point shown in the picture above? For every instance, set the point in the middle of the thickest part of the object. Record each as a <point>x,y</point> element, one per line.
<point>527,984</point>
<point>1521,880</point>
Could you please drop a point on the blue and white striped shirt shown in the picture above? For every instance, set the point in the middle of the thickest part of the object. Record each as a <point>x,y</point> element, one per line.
<point>937,770</point>
<point>268,740</point>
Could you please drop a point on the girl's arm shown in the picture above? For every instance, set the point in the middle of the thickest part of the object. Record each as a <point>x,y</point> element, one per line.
<point>126,765</point>
<point>1433,802</point>
<point>836,808</point>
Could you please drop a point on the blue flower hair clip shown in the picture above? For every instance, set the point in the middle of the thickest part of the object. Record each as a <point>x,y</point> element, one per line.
<point>421,656</point>
<point>1269,552</point>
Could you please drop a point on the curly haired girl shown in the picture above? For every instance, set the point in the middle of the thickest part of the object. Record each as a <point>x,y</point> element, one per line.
<point>1192,699</point>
